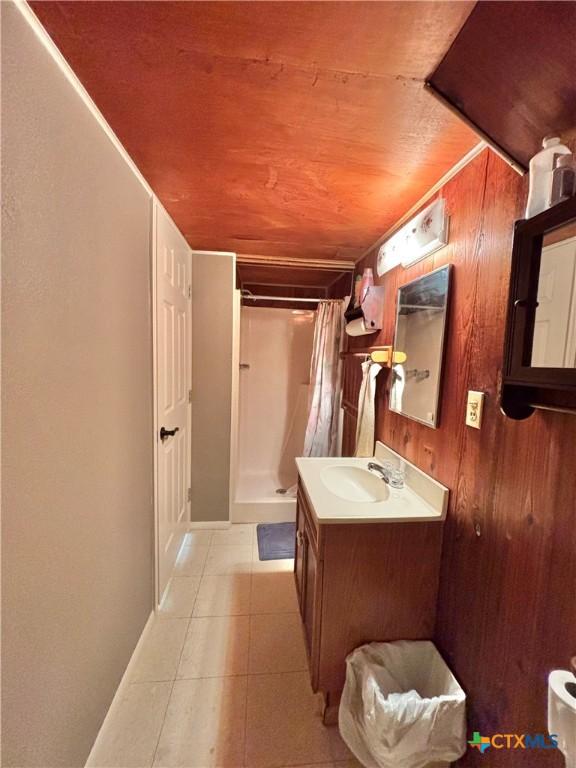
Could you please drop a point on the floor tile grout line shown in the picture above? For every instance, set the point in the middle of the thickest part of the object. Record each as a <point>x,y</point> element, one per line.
<point>245,758</point>
<point>244,761</point>
<point>223,676</point>
<point>236,674</point>
<point>169,699</point>
<point>189,619</point>
<point>170,694</point>
<point>233,675</point>
<point>220,677</point>
<point>176,671</point>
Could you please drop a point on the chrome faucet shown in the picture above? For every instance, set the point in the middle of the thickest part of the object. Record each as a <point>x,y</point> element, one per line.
<point>373,467</point>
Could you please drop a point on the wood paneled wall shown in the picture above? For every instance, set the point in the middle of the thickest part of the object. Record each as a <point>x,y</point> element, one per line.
<point>507,603</point>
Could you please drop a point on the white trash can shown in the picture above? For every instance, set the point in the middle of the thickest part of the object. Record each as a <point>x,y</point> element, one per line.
<point>402,707</point>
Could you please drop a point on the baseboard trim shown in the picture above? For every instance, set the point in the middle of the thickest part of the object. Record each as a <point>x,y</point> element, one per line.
<point>124,682</point>
<point>215,525</point>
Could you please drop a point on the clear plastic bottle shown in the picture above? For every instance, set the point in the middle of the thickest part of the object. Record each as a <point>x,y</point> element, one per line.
<point>357,287</point>
<point>367,282</point>
<point>563,180</point>
<point>541,167</point>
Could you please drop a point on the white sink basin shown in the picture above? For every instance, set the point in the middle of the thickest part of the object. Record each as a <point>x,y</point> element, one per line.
<point>354,484</point>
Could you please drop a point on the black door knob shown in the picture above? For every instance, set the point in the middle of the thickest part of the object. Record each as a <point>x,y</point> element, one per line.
<point>164,433</point>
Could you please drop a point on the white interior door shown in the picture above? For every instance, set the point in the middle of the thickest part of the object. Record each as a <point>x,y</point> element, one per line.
<point>554,326</point>
<point>173,381</point>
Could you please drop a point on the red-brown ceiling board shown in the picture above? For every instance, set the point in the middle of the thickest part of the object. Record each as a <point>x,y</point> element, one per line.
<point>280,128</point>
<point>306,276</point>
<point>512,72</point>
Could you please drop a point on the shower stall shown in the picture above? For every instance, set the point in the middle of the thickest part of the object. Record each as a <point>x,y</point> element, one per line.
<point>275,347</point>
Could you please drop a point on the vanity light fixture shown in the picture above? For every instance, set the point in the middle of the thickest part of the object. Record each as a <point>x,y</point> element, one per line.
<point>421,236</point>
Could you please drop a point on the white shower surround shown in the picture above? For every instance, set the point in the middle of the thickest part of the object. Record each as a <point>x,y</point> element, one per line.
<point>272,410</point>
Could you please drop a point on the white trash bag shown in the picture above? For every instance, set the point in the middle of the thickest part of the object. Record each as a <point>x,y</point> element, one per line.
<point>401,706</point>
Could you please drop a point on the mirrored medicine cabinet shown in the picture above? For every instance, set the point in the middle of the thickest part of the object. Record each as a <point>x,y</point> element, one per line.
<point>540,348</point>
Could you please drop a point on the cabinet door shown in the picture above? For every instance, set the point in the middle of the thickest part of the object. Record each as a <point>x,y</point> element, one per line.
<point>311,568</point>
<point>300,557</point>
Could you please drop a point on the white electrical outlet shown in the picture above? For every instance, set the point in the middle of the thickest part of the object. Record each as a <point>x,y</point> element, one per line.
<point>474,407</point>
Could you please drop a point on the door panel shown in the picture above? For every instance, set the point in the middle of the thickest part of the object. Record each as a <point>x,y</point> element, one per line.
<point>300,555</point>
<point>173,356</point>
<point>310,593</point>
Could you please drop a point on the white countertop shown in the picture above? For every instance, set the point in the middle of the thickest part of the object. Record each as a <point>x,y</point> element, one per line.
<point>422,499</point>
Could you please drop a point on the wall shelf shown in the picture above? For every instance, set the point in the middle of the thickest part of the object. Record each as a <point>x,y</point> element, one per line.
<point>382,354</point>
<point>370,311</point>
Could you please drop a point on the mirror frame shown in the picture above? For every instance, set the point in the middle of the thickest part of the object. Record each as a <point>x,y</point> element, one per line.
<point>437,409</point>
<point>521,380</point>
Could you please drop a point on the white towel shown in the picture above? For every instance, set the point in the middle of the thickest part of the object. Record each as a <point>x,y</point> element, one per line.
<point>366,412</point>
<point>397,388</point>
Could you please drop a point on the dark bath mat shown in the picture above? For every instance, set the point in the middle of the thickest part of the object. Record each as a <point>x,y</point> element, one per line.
<point>276,541</point>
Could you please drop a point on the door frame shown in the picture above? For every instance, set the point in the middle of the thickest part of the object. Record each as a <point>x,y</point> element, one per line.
<point>156,206</point>
<point>235,405</point>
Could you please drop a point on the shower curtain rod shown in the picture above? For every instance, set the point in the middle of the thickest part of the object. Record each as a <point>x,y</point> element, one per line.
<point>252,297</point>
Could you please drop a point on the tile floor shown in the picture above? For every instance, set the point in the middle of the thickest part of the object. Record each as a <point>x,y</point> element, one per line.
<point>222,678</point>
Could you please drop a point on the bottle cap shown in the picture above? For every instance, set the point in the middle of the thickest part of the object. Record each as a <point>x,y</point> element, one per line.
<point>550,141</point>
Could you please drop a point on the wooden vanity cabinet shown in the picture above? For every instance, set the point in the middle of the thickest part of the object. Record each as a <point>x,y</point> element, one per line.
<point>307,577</point>
<point>358,583</point>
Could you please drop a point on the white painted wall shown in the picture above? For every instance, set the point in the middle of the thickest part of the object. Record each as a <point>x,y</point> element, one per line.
<point>213,286</point>
<point>77,495</point>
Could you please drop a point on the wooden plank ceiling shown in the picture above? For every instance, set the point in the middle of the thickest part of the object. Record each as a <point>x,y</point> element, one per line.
<point>297,279</point>
<point>512,72</point>
<point>283,129</point>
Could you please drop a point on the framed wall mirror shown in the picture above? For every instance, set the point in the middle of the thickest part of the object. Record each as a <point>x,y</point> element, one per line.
<point>540,349</point>
<point>416,374</point>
